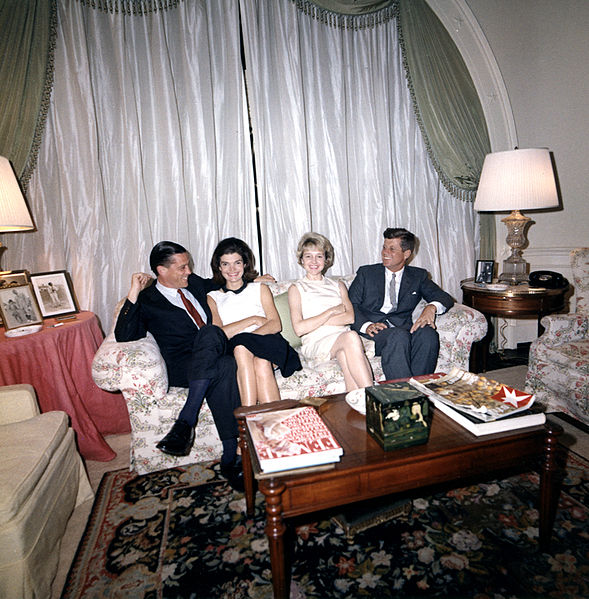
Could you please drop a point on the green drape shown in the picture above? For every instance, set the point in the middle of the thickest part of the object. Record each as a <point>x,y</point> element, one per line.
<point>447,103</point>
<point>448,107</point>
<point>26,75</point>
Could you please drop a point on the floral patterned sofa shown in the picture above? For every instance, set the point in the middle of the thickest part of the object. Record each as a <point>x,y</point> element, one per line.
<point>137,369</point>
<point>558,368</point>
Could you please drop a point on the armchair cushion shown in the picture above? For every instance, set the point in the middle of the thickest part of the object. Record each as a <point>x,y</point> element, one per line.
<point>17,402</point>
<point>558,366</point>
<point>42,479</point>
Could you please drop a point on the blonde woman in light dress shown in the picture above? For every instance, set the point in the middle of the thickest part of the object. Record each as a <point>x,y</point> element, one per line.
<point>322,313</point>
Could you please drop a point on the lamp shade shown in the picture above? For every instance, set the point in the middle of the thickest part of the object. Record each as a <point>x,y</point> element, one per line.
<point>517,180</point>
<point>14,214</point>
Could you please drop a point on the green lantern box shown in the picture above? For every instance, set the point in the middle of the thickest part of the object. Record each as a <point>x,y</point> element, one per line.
<point>397,415</point>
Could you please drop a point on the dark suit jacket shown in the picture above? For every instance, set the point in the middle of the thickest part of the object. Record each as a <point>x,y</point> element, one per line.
<point>171,326</point>
<point>367,293</point>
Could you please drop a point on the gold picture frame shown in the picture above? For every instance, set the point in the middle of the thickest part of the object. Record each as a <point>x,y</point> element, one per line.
<point>18,307</point>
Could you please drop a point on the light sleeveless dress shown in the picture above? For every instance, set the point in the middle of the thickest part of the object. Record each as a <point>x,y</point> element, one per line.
<point>316,297</point>
<point>272,347</point>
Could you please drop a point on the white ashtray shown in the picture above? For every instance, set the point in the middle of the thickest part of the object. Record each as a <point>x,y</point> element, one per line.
<point>357,399</point>
<point>20,331</point>
<point>497,286</point>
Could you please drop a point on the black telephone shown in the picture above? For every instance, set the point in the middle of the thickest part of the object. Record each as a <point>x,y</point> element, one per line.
<point>547,279</point>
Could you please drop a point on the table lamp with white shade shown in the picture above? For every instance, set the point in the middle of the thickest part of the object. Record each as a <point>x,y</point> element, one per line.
<point>14,214</point>
<point>516,180</point>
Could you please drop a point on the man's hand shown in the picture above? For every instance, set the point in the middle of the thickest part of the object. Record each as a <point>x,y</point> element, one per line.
<point>139,281</point>
<point>426,319</point>
<point>374,328</point>
<point>265,279</point>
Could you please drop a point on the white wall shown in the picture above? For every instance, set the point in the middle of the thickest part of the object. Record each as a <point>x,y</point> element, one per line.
<point>542,50</point>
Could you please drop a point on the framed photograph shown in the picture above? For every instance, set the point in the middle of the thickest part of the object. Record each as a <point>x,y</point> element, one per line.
<point>484,271</point>
<point>13,278</point>
<point>54,292</point>
<point>18,307</point>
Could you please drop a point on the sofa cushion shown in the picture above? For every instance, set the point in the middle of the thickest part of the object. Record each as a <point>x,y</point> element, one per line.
<point>281,303</point>
<point>25,456</point>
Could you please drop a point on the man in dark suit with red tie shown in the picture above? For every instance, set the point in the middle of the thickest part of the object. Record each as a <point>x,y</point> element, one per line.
<point>384,297</point>
<point>174,310</point>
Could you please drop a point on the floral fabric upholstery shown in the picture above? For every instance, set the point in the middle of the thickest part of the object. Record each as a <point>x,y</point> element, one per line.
<point>558,370</point>
<point>137,369</point>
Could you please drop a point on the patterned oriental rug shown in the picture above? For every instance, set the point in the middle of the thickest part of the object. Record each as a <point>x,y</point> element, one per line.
<point>182,533</point>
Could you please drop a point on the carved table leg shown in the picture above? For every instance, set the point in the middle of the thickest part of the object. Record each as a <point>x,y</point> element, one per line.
<point>248,476</point>
<point>550,472</point>
<point>275,529</point>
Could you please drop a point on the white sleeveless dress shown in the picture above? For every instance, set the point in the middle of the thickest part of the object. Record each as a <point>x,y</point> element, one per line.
<point>237,306</point>
<point>316,297</point>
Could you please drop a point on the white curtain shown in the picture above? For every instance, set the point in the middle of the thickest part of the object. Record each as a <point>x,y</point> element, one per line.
<point>147,139</point>
<point>338,148</point>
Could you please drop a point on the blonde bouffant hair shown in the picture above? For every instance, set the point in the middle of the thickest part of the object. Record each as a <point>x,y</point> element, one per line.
<point>320,242</point>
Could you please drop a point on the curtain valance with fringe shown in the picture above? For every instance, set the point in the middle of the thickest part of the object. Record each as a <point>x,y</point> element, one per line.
<point>26,75</point>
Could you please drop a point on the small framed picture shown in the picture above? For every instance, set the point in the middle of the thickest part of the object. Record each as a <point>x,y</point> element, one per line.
<point>18,307</point>
<point>54,292</point>
<point>13,278</point>
<point>484,271</point>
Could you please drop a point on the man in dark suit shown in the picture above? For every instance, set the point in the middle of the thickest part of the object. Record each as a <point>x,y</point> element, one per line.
<point>174,310</point>
<point>384,297</point>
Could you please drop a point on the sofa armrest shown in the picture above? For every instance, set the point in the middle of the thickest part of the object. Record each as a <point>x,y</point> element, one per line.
<point>17,402</point>
<point>564,328</point>
<point>136,368</point>
<point>458,329</point>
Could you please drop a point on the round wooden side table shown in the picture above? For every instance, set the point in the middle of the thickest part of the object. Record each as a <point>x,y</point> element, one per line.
<point>515,301</point>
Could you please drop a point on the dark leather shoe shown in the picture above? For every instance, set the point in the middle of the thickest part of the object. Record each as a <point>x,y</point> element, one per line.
<point>179,440</point>
<point>233,472</point>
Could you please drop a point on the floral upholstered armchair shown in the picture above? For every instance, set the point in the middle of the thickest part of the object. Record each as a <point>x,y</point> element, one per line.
<point>558,370</point>
<point>137,369</point>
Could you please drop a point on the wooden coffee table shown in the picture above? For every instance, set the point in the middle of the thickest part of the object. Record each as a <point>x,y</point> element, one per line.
<point>366,471</point>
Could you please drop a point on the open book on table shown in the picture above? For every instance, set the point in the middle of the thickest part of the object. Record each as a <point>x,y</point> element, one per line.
<point>481,405</point>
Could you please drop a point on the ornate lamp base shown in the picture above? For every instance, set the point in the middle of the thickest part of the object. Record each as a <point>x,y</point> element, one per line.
<point>515,268</point>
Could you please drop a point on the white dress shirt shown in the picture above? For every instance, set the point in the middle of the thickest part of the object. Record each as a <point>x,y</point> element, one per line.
<point>174,298</point>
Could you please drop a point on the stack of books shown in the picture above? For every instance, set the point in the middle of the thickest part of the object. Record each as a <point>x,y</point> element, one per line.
<point>294,438</point>
<point>480,405</point>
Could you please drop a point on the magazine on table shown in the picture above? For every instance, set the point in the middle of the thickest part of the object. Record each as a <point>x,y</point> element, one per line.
<point>483,399</point>
<point>294,438</point>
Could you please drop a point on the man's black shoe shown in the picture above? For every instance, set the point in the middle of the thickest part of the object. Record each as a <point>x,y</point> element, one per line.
<point>179,440</point>
<point>233,472</point>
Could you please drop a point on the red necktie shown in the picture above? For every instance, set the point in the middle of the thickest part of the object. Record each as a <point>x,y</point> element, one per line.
<point>192,310</point>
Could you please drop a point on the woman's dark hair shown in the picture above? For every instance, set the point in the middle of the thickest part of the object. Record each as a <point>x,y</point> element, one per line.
<point>162,253</point>
<point>232,245</point>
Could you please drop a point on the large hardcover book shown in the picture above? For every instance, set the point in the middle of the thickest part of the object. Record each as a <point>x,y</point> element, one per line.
<point>294,438</point>
<point>481,405</point>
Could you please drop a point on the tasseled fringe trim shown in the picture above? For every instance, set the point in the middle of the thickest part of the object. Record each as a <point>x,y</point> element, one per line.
<point>130,7</point>
<point>31,163</point>
<point>465,192</point>
<point>342,21</point>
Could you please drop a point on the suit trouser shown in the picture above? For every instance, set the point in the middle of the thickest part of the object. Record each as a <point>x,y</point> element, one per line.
<point>404,354</point>
<point>210,361</point>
